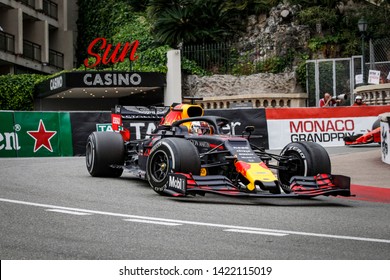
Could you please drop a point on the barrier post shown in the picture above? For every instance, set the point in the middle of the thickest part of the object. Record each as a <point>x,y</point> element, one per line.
<point>385,137</point>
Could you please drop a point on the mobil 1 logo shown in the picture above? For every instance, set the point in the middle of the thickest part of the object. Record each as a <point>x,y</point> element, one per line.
<point>177,183</point>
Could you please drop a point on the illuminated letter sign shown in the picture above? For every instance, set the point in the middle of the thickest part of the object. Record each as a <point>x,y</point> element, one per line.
<point>56,83</point>
<point>117,55</point>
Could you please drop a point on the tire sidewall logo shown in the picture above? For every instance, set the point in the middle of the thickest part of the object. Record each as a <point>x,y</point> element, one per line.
<point>296,149</point>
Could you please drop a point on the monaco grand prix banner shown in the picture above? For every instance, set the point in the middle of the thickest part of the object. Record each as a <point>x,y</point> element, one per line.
<point>326,126</point>
<point>35,134</point>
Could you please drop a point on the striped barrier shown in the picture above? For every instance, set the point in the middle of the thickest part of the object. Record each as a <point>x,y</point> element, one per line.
<point>36,134</point>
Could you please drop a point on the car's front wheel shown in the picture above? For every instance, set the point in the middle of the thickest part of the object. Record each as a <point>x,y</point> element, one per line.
<point>302,159</point>
<point>171,155</point>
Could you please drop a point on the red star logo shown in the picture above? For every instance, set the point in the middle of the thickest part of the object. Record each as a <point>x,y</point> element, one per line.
<point>42,137</point>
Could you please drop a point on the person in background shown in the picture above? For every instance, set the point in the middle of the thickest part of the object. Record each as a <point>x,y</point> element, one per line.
<point>328,101</point>
<point>359,101</point>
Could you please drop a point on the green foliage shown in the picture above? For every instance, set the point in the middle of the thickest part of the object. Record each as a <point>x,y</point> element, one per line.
<point>318,3</point>
<point>328,45</point>
<point>150,60</point>
<point>275,64</point>
<point>158,24</point>
<point>312,16</point>
<point>137,28</point>
<point>127,23</point>
<point>301,70</point>
<point>198,21</point>
<point>138,5</point>
<point>190,67</point>
<point>249,7</point>
<point>99,19</point>
<point>378,19</point>
<point>17,91</point>
<point>272,65</point>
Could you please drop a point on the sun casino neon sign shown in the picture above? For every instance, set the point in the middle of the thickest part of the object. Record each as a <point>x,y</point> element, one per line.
<point>110,54</point>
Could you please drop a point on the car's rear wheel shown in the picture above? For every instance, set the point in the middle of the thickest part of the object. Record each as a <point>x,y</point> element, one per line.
<point>171,155</point>
<point>302,159</point>
<point>103,151</point>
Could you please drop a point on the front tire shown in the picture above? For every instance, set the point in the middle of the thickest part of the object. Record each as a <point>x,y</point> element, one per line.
<point>103,150</point>
<point>302,159</point>
<point>171,155</point>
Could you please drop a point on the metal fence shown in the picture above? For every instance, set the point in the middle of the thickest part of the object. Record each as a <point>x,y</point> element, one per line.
<point>336,76</point>
<point>7,42</point>
<point>31,50</point>
<point>329,75</point>
<point>232,58</point>
<point>379,58</point>
<point>56,59</point>
<point>50,8</point>
<point>340,76</point>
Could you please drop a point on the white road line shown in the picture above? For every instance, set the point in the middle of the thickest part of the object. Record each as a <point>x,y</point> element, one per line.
<point>68,212</point>
<point>152,222</point>
<point>343,237</point>
<point>255,232</point>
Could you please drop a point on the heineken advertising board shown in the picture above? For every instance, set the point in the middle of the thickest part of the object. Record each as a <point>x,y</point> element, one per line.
<point>35,134</point>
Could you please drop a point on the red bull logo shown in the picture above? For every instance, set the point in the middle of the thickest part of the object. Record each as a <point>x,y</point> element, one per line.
<point>255,172</point>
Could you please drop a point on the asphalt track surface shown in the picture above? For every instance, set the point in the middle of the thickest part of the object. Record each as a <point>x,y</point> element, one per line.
<point>50,208</point>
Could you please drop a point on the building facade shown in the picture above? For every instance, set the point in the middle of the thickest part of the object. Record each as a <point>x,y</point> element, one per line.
<point>37,36</point>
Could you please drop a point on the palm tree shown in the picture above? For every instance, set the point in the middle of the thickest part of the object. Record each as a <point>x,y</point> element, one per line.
<point>198,21</point>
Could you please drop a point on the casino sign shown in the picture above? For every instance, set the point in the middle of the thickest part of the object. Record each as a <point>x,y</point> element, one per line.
<point>143,88</point>
<point>101,89</point>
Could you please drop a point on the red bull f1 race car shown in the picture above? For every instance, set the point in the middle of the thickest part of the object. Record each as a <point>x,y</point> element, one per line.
<point>191,154</point>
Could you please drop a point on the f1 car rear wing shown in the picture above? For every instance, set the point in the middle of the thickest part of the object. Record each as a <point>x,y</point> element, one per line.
<point>121,114</point>
<point>151,113</point>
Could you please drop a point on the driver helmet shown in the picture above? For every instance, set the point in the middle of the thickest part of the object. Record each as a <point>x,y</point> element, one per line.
<point>198,127</point>
<point>358,97</point>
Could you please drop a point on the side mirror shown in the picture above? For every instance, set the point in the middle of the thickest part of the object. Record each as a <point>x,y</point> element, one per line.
<point>249,129</point>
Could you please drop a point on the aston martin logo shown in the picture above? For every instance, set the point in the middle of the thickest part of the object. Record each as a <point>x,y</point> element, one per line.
<point>42,137</point>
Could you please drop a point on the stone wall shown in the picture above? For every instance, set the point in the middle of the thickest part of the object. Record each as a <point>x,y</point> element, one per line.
<point>262,90</point>
<point>278,31</point>
<point>374,94</point>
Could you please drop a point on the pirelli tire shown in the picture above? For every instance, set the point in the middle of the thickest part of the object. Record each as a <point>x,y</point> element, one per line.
<point>104,150</point>
<point>302,159</point>
<point>171,155</point>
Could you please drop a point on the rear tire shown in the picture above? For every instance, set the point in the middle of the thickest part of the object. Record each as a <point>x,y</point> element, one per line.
<point>171,155</point>
<point>103,150</point>
<point>304,159</point>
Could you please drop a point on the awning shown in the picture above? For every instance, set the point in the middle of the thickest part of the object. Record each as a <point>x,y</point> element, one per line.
<point>103,84</point>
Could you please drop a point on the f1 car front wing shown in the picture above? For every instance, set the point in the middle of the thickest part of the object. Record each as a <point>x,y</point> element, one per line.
<point>180,184</point>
